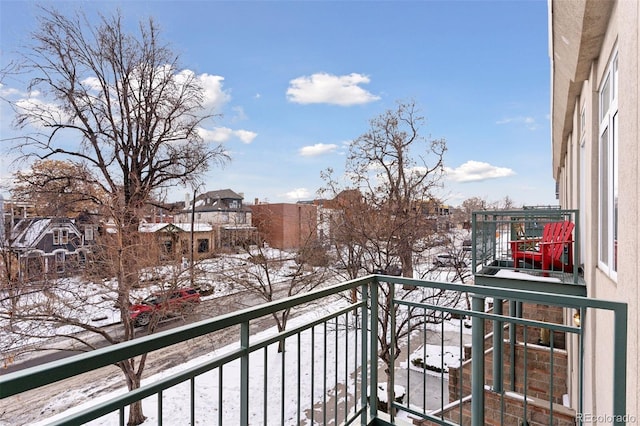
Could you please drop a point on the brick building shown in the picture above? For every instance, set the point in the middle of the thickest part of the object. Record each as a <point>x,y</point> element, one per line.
<point>285,225</point>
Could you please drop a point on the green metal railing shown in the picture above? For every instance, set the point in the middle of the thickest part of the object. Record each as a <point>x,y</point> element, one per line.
<point>495,232</point>
<point>338,351</point>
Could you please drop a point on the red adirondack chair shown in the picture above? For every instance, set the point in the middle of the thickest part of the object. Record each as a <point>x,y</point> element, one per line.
<point>547,253</point>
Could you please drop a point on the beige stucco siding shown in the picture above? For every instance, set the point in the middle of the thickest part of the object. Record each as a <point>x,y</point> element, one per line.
<point>585,34</point>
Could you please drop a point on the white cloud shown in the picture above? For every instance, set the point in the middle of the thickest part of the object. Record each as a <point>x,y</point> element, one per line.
<point>475,171</point>
<point>42,113</point>
<point>245,136</point>
<point>214,96</point>
<point>330,89</point>
<point>298,194</point>
<point>529,122</point>
<point>7,92</point>
<point>218,134</point>
<point>92,82</point>
<point>239,114</point>
<point>224,134</point>
<point>317,149</point>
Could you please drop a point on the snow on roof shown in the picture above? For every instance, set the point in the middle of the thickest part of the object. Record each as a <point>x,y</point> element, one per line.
<point>197,227</point>
<point>152,227</point>
<point>186,227</point>
<point>507,273</point>
<point>238,227</point>
<point>28,231</point>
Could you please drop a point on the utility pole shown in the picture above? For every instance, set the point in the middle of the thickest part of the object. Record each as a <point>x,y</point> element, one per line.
<point>193,215</point>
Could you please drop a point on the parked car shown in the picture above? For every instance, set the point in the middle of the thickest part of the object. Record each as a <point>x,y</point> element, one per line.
<point>467,245</point>
<point>446,259</point>
<point>164,304</point>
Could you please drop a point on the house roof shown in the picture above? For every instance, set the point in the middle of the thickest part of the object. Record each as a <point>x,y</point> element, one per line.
<point>28,231</point>
<point>184,227</point>
<point>214,201</point>
<point>223,194</point>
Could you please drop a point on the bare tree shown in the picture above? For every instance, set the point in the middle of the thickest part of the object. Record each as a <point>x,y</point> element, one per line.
<point>395,171</point>
<point>273,274</point>
<point>119,106</point>
<point>56,188</point>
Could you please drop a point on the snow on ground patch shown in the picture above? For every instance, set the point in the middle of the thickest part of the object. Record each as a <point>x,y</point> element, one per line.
<point>435,358</point>
<point>333,360</point>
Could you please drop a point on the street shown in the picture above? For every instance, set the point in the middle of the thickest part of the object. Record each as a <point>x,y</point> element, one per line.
<point>46,401</point>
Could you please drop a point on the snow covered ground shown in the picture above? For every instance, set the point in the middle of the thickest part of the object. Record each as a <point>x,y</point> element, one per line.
<point>98,306</point>
<point>176,401</point>
<point>92,303</point>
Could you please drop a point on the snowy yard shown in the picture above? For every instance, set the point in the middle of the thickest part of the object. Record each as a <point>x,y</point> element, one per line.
<point>176,401</point>
<point>322,366</point>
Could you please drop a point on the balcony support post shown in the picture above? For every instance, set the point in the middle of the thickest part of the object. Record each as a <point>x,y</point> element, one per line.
<point>619,365</point>
<point>477,362</point>
<point>364,354</point>
<point>497,347</point>
<point>244,374</point>
<point>373,354</point>
<point>512,345</point>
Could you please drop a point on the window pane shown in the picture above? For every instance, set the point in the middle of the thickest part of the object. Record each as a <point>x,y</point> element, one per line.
<point>615,78</point>
<point>614,166</point>
<point>203,246</point>
<point>604,197</point>
<point>604,99</point>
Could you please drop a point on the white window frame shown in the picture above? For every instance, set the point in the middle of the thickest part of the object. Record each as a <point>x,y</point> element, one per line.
<point>60,236</point>
<point>608,170</point>
<point>88,233</point>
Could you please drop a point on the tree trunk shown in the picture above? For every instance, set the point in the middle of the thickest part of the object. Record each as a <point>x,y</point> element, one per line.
<point>390,397</point>
<point>406,259</point>
<point>135,414</point>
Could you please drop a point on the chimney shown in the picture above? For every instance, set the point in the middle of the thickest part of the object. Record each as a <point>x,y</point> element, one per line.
<point>256,201</point>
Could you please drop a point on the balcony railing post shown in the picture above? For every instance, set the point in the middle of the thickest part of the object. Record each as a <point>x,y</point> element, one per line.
<point>497,347</point>
<point>512,345</point>
<point>477,362</point>
<point>619,366</point>
<point>474,242</point>
<point>364,353</point>
<point>244,374</point>
<point>392,353</point>
<point>373,357</point>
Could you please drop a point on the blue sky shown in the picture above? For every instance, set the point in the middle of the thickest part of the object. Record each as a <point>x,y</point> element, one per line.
<point>296,81</point>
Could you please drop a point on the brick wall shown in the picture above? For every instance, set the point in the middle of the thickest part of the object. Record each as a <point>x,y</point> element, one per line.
<point>550,314</point>
<point>285,226</point>
<point>539,376</point>
<point>509,409</point>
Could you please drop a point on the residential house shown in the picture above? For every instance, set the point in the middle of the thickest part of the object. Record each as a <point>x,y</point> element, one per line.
<point>594,49</point>
<point>224,210</point>
<point>48,247</point>
<point>13,211</point>
<point>174,239</point>
<point>286,225</point>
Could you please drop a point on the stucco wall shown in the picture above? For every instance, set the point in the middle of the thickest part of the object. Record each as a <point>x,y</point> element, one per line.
<point>579,189</point>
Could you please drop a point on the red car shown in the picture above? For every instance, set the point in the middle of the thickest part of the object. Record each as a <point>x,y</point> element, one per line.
<point>163,304</point>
